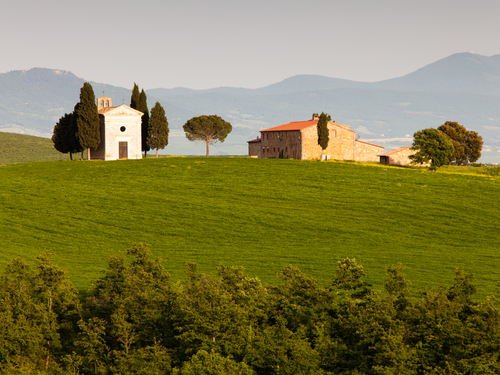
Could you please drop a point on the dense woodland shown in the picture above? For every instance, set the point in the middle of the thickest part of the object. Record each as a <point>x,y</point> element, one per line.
<point>136,320</point>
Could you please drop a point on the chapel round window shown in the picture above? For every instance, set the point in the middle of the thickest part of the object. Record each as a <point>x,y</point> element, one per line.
<point>122,129</point>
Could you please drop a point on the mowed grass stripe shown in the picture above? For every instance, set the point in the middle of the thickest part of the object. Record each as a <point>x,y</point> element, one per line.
<point>263,214</point>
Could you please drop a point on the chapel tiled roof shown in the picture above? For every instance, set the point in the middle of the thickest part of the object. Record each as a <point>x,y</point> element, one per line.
<point>105,109</point>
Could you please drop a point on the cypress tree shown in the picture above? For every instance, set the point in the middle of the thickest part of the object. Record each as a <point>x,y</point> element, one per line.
<point>87,119</point>
<point>158,129</point>
<point>322,127</point>
<point>74,141</point>
<point>143,107</point>
<point>135,99</point>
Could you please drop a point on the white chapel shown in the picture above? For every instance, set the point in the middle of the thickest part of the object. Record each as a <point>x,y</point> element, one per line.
<point>120,132</point>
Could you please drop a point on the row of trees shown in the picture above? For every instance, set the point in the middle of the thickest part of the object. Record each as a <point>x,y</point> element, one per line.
<point>154,128</point>
<point>136,320</point>
<point>449,143</point>
<point>80,129</point>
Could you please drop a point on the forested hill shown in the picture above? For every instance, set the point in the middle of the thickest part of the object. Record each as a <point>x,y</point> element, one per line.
<point>136,320</point>
<point>463,87</point>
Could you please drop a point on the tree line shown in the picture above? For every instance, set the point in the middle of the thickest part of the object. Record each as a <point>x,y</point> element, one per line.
<point>136,320</point>
<point>80,129</point>
<point>449,143</point>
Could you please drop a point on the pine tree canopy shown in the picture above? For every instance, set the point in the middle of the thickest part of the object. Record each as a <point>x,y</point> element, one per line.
<point>209,129</point>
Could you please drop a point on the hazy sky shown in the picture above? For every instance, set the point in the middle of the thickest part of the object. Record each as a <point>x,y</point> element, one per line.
<point>253,43</point>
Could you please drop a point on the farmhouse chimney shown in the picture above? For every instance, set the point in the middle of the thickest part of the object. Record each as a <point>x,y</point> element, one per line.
<point>315,116</point>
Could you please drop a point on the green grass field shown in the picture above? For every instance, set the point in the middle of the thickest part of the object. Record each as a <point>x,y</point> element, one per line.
<point>263,214</point>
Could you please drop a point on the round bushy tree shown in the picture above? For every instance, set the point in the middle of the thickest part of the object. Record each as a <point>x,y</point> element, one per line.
<point>432,146</point>
<point>61,134</point>
<point>467,144</point>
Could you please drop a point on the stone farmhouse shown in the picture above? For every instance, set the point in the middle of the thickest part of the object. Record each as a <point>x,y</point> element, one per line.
<point>120,132</point>
<point>399,156</point>
<point>299,140</point>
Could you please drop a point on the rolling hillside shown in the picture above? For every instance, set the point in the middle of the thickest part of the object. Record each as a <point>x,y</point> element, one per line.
<point>463,87</point>
<point>19,148</point>
<point>260,213</point>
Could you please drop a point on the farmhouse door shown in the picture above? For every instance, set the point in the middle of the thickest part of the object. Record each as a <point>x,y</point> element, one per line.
<point>122,150</point>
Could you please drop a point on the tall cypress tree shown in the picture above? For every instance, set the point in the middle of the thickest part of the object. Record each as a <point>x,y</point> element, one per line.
<point>323,136</point>
<point>158,128</point>
<point>143,107</point>
<point>135,99</point>
<point>74,141</point>
<point>87,119</point>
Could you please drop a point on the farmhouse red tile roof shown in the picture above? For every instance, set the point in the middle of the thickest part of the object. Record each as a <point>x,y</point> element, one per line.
<point>299,125</point>
<point>371,144</point>
<point>255,140</point>
<point>394,151</point>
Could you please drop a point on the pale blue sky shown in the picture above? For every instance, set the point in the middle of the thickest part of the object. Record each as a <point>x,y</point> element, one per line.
<point>203,44</point>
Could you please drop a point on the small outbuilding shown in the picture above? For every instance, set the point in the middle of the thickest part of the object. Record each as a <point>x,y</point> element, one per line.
<point>399,156</point>
<point>121,130</point>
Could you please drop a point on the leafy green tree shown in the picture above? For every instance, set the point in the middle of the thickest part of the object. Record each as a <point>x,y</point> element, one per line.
<point>431,146</point>
<point>348,276</point>
<point>204,363</point>
<point>277,350</point>
<point>135,301</point>
<point>61,135</point>
<point>467,144</point>
<point>135,98</point>
<point>93,345</point>
<point>208,129</point>
<point>64,135</point>
<point>34,304</point>
<point>158,129</point>
<point>143,107</point>
<point>208,316</point>
<point>87,119</point>
<point>323,133</point>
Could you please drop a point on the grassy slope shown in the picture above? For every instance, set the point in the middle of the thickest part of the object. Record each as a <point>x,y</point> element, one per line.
<point>20,148</point>
<point>263,214</point>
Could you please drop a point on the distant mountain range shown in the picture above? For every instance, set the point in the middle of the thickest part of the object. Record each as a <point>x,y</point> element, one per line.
<point>463,87</point>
